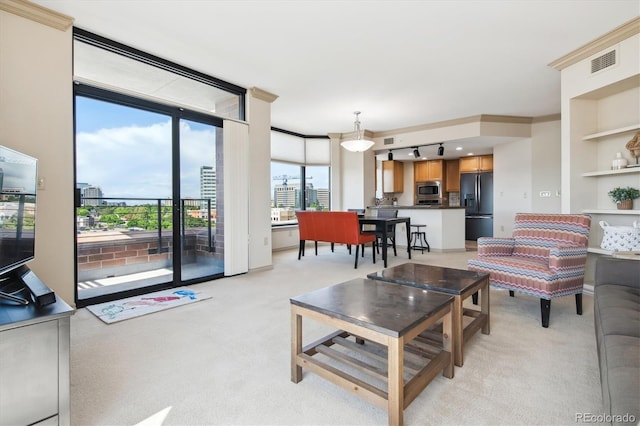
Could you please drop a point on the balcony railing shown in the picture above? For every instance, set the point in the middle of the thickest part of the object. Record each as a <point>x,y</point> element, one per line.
<point>120,236</point>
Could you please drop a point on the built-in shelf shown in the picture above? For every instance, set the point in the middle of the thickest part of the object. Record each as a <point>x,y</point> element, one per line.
<point>613,172</point>
<point>612,211</point>
<point>611,132</point>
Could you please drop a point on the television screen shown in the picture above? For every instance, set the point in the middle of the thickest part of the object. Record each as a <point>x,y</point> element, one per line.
<point>18,181</point>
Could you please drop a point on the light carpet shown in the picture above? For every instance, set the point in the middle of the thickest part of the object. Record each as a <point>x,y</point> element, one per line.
<point>227,361</point>
<point>136,306</point>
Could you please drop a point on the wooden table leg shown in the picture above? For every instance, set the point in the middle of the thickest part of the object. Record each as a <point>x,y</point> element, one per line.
<point>457,331</point>
<point>296,346</point>
<point>484,306</point>
<point>447,344</point>
<point>395,391</point>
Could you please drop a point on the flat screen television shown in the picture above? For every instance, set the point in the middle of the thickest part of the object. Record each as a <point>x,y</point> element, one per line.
<point>18,182</point>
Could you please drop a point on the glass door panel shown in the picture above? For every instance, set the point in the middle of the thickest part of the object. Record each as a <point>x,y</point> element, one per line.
<point>124,205</point>
<point>199,203</point>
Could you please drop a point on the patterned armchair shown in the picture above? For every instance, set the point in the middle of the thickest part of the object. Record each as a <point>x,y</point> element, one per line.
<point>545,258</point>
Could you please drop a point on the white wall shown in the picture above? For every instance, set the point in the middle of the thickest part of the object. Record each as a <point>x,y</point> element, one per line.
<point>546,167</point>
<point>36,117</point>
<point>285,237</point>
<point>357,180</point>
<point>512,169</point>
<point>259,116</point>
<point>522,169</point>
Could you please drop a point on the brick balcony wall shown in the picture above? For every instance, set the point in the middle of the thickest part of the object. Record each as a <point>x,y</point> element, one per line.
<point>116,257</point>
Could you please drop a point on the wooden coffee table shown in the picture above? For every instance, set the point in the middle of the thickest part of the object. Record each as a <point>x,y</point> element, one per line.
<point>458,283</point>
<point>375,343</point>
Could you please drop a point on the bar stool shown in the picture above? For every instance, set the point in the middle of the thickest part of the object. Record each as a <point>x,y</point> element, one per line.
<point>418,240</point>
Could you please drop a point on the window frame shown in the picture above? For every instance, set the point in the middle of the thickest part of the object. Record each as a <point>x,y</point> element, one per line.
<point>303,172</point>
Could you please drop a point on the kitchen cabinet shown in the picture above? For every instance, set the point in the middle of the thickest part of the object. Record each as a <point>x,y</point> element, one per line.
<point>428,170</point>
<point>392,176</point>
<point>452,168</point>
<point>478,163</point>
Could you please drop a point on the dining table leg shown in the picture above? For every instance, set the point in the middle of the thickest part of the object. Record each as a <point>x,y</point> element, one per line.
<point>384,245</point>
<point>408,226</point>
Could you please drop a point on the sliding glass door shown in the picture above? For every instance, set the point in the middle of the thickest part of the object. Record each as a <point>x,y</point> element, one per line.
<point>199,201</point>
<point>146,197</point>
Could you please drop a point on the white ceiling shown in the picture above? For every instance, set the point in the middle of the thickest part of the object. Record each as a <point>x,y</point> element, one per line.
<point>402,63</point>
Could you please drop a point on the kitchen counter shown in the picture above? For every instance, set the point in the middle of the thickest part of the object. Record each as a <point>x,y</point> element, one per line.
<point>445,225</point>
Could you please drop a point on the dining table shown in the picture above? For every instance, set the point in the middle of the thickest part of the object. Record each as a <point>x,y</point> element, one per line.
<point>381,227</point>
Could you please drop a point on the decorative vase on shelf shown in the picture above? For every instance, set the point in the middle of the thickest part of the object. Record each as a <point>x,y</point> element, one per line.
<point>619,162</point>
<point>625,205</point>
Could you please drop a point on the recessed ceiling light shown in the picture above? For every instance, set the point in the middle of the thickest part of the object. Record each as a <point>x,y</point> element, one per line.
<point>458,148</point>
<point>471,153</point>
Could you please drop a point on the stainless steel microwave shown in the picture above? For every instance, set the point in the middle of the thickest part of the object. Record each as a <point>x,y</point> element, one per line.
<point>428,192</point>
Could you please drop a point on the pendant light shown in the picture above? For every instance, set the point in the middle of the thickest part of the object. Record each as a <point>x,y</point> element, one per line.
<point>358,144</point>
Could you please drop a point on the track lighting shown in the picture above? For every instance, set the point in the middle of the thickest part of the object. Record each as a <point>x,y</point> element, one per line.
<point>416,153</point>
<point>390,155</point>
<point>441,150</point>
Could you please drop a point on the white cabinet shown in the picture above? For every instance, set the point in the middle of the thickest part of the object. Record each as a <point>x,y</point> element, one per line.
<point>34,364</point>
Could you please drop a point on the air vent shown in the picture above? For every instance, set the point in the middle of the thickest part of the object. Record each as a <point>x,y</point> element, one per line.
<point>388,141</point>
<point>604,61</point>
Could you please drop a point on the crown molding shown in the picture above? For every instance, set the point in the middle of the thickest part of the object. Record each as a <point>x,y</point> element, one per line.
<point>477,119</point>
<point>546,118</point>
<point>262,94</point>
<point>609,39</point>
<point>37,13</point>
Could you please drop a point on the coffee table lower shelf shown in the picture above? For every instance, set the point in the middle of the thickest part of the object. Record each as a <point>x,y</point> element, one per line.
<point>387,371</point>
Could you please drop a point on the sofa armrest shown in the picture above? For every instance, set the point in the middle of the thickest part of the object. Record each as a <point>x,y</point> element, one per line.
<point>610,270</point>
<point>566,257</point>
<point>491,246</point>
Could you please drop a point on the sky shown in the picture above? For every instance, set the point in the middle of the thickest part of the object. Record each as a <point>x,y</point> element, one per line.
<point>127,151</point>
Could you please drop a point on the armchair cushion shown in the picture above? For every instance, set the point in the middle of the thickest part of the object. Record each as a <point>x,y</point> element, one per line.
<point>490,246</point>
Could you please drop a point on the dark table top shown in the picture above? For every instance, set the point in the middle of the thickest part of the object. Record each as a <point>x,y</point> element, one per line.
<point>384,220</point>
<point>445,280</point>
<point>384,307</point>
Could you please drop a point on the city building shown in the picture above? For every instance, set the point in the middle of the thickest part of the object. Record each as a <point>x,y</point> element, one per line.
<point>208,184</point>
<point>91,195</point>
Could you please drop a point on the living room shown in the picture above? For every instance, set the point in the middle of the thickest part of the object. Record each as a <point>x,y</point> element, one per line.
<point>33,47</point>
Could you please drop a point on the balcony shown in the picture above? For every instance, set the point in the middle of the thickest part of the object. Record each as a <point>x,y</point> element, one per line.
<point>113,256</point>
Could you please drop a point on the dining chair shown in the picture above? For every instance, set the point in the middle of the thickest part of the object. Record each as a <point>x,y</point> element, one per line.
<point>391,229</point>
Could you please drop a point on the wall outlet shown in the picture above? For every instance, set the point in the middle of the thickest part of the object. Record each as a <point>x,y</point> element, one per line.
<point>266,241</point>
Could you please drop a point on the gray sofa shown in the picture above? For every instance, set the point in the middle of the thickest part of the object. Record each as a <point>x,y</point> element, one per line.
<point>617,325</point>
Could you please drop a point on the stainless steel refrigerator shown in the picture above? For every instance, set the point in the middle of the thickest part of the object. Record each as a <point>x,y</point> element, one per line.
<point>476,195</point>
